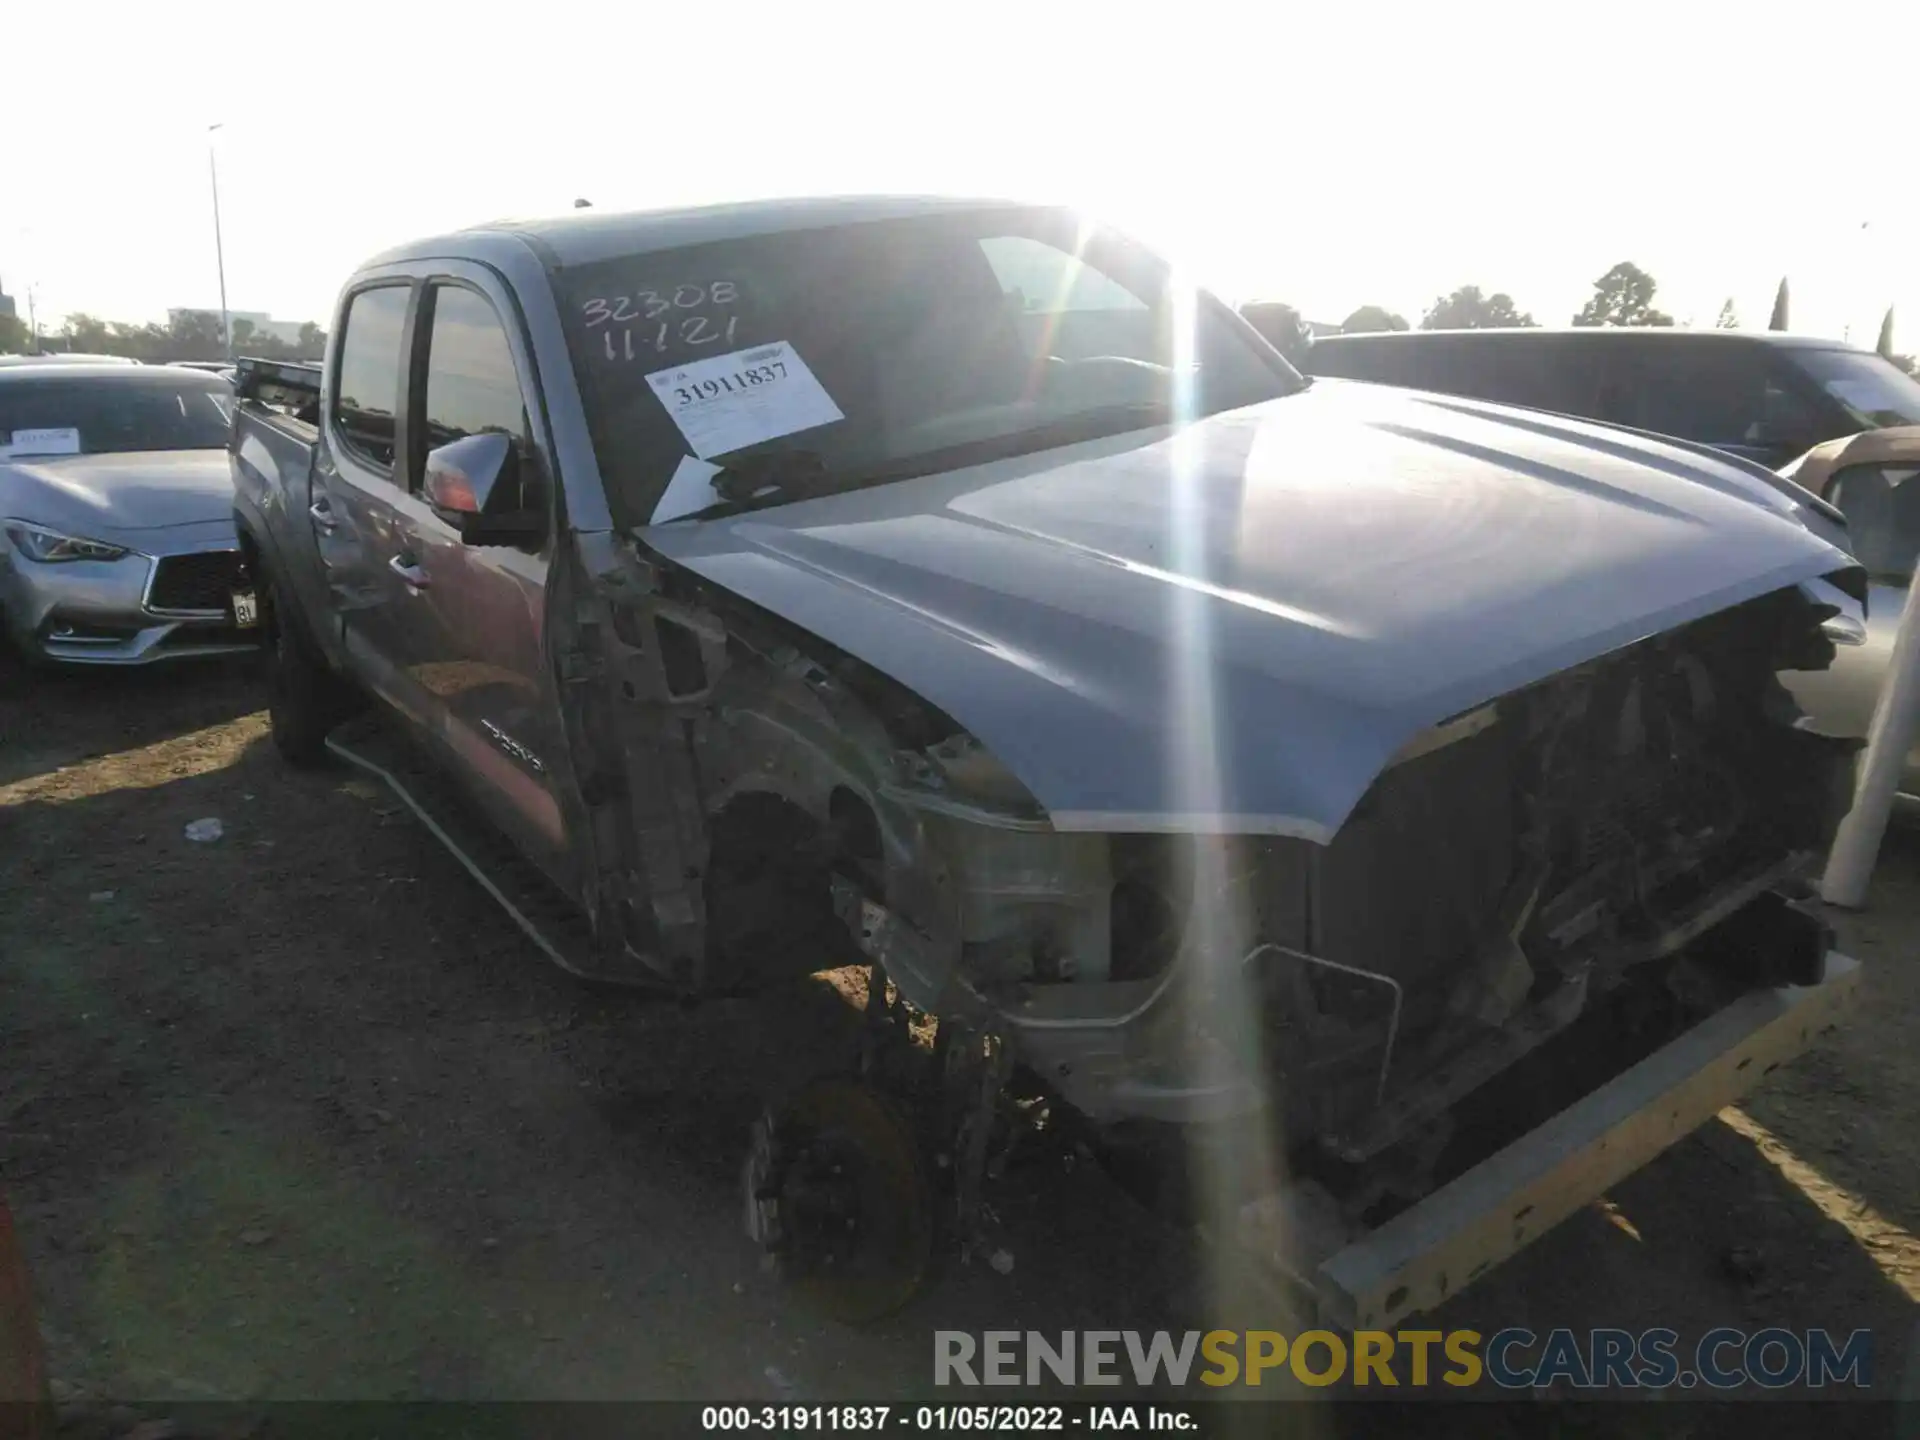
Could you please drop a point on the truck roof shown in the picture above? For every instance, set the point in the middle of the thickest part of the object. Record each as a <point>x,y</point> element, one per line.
<point>581,237</point>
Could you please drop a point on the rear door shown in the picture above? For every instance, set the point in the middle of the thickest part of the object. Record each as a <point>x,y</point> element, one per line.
<point>472,631</point>
<point>357,483</point>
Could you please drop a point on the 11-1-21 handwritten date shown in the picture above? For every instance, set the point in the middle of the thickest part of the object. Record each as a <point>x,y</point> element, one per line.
<point>650,322</point>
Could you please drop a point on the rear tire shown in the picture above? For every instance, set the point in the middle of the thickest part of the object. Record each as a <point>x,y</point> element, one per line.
<point>305,699</point>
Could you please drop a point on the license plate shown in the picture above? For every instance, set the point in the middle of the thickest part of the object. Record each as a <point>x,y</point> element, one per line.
<point>246,609</point>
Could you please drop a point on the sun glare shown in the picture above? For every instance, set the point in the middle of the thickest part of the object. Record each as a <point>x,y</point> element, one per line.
<point>1224,1038</point>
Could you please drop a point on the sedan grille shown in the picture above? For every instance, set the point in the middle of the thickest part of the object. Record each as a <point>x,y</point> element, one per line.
<point>194,582</point>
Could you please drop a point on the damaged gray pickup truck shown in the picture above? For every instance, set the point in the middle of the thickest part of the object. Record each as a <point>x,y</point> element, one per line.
<point>1376,818</point>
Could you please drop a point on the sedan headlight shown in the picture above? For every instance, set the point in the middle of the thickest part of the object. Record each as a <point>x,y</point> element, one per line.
<point>50,547</point>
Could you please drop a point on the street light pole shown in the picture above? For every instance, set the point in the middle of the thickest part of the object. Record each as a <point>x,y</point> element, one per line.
<point>219,249</point>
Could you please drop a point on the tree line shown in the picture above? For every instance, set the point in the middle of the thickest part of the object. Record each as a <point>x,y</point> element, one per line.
<point>1622,296</point>
<point>187,335</point>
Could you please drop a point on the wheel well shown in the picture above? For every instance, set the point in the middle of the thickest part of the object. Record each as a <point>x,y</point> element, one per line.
<point>768,893</point>
<point>757,823</point>
<point>253,562</point>
<point>856,829</point>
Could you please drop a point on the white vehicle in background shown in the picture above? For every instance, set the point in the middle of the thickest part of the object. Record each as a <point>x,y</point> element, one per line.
<point>116,515</point>
<point>1873,478</point>
<point>66,357</point>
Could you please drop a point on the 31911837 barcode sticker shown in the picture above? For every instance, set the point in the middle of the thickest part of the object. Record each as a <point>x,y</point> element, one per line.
<point>732,401</point>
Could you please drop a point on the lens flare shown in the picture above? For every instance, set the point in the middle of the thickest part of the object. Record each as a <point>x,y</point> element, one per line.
<point>1239,1162</point>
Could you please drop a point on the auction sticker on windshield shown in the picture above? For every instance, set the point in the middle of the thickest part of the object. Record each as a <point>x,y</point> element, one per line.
<point>732,401</point>
<point>46,441</point>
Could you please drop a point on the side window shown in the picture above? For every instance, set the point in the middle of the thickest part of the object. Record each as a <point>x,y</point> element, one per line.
<point>1563,375</point>
<point>1882,506</point>
<point>1712,394</point>
<point>471,387</point>
<point>1788,420</point>
<point>368,386</point>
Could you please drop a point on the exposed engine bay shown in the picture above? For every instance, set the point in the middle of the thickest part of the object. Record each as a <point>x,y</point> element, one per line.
<point>1510,869</point>
<point>1620,847</point>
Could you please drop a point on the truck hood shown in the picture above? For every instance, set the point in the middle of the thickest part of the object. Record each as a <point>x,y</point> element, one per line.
<point>1235,626</point>
<point>111,497</point>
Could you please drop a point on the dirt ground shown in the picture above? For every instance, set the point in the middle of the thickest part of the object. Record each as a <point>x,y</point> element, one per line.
<point>297,1114</point>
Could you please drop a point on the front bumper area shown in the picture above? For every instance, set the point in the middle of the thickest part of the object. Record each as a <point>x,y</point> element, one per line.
<point>1429,1252</point>
<point>98,612</point>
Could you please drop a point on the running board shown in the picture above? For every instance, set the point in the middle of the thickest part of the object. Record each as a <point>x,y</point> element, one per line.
<point>544,915</point>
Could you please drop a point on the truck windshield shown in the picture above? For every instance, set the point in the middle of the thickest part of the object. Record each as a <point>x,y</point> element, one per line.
<point>62,414</point>
<point>861,350</point>
<point>1874,391</point>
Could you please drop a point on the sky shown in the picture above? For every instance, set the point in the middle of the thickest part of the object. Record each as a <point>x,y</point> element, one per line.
<point>1330,157</point>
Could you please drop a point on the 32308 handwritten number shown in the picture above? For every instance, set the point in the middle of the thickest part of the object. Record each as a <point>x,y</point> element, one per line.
<point>745,378</point>
<point>651,314</point>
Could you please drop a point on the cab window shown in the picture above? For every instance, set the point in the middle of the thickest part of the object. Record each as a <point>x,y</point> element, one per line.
<point>366,392</point>
<point>470,386</point>
<point>1721,395</point>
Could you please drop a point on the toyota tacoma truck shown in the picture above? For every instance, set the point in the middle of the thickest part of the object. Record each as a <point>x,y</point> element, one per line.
<point>1376,816</point>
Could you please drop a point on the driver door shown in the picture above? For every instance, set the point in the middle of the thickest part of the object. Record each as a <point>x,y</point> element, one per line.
<point>471,627</point>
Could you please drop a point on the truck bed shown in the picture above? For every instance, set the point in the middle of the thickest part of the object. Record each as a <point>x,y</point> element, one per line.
<point>275,432</point>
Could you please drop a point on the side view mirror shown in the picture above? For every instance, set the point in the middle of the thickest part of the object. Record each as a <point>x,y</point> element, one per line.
<point>474,484</point>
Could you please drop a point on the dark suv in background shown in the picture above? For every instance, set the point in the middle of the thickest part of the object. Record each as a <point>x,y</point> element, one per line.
<point>1761,395</point>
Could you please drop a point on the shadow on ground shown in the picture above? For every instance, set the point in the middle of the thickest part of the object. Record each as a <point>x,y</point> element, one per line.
<point>50,718</point>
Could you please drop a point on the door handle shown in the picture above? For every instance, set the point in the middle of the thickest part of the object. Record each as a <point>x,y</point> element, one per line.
<point>408,569</point>
<point>321,514</point>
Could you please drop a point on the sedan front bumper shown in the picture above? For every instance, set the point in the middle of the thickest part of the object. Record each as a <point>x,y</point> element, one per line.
<point>130,611</point>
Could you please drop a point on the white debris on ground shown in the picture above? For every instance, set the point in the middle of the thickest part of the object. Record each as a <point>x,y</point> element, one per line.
<point>206,830</point>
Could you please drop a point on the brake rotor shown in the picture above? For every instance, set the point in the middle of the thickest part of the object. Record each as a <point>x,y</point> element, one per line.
<point>837,1195</point>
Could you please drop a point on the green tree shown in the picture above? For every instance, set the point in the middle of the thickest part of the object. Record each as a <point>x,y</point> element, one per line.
<point>1622,296</point>
<point>1370,318</point>
<point>195,335</point>
<point>1729,318</point>
<point>1279,325</point>
<point>14,338</point>
<point>187,335</point>
<point>142,342</point>
<point>1779,317</point>
<point>1468,309</point>
<point>86,334</point>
